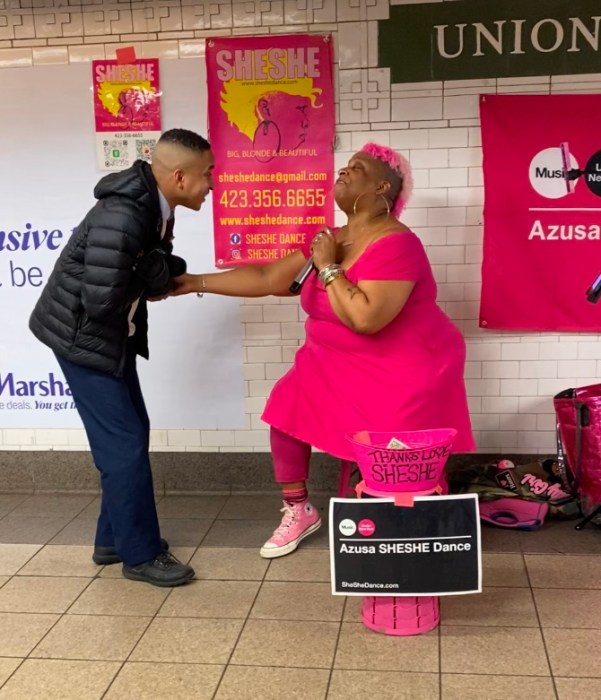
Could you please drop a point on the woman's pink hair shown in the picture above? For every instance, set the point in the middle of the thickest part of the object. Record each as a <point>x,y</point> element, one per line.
<point>398,164</point>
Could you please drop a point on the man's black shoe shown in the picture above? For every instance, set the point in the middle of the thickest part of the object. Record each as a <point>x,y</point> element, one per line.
<point>103,556</point>
<point>163,570</point>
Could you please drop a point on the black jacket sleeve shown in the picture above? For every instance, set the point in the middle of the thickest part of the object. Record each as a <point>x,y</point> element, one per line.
<point>153,271</point>
<point>117,231</point>
<point>157,270</point>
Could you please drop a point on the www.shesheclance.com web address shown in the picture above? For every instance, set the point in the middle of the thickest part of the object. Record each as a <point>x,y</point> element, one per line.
<point>355,584</point>
<point>267,220</point>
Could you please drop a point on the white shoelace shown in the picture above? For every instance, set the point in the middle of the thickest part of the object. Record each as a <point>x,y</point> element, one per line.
<point>287,520</point>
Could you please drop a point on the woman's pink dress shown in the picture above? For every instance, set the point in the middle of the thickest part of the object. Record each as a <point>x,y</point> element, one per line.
<point>408,376</point>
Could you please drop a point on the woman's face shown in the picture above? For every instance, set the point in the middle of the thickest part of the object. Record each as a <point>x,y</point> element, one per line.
<point>362,175</point>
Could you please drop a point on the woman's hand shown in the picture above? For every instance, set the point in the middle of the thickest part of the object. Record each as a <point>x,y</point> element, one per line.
<point>186,284</point>
<point>323,249</point>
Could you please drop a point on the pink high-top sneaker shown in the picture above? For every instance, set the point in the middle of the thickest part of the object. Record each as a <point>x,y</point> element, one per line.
<point>299,521</point>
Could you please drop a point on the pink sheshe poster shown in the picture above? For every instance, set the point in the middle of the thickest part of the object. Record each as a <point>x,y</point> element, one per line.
<point>127,111</point>
<point>271,127</point>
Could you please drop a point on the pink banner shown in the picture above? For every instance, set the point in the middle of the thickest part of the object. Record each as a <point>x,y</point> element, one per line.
<point>271,127</point>
<point>126,96</point>
<point>542,234</point>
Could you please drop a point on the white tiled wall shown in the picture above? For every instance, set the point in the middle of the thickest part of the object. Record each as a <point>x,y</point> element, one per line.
<point>510,377</point>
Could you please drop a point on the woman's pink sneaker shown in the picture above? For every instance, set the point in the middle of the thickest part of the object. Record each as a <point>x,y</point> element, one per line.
<point>299,521</point>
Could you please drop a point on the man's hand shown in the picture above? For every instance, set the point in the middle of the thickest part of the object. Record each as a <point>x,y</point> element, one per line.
<point>184,284</point>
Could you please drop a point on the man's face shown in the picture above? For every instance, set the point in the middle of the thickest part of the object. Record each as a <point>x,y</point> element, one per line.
<point>197,180</point>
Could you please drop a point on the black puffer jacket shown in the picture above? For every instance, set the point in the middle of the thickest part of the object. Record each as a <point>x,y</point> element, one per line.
<point>83,309</point>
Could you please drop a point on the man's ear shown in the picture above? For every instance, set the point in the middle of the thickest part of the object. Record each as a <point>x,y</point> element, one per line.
<point>178,178</point>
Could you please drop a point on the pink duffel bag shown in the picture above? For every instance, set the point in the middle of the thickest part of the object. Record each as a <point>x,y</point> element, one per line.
<point>578,413</point>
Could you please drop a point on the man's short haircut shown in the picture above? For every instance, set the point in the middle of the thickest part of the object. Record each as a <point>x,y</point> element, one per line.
<point>185,138</point>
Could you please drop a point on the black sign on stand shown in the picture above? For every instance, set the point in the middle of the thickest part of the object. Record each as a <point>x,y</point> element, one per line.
<point>380,549</point>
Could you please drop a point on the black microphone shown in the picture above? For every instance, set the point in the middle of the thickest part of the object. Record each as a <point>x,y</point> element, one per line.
<point>299,280</point>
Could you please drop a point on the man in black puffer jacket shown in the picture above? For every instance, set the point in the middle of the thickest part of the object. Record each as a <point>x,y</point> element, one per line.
<point>92,314</point>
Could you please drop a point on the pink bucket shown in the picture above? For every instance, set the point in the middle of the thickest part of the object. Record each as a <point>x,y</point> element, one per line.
<point>400,616</point>
<point>417,468</point>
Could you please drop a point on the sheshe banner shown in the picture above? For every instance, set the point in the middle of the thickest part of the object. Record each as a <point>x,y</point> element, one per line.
<point>271,126</point>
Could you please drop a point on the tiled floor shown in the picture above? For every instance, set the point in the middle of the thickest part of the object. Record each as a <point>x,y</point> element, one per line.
<point>251,629</point>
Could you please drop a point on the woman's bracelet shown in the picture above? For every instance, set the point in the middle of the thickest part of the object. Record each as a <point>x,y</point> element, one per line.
<point>200,295</point>
<point>329,273</point>
<point>335,275</point>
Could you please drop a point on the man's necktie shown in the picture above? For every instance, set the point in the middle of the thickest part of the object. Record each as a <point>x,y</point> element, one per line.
<point>168,237</point>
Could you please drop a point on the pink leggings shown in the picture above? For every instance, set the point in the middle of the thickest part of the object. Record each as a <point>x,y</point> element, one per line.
<point>290,457</point>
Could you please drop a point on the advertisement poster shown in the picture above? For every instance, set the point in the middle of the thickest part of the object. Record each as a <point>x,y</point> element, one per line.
<point>193,379</point>
<point>380,549</point>
<point>271,127</point>
<point>542,212</point>
<point>127,111</point>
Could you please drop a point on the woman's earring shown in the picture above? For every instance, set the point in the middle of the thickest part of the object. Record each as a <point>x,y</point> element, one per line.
<point>386,203</point>
<point>355,204</point>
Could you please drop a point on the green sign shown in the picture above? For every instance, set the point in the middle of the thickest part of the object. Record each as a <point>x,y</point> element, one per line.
<point>468,39</point>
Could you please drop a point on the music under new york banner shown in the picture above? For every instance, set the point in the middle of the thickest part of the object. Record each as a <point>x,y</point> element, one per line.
<point>542,211</point>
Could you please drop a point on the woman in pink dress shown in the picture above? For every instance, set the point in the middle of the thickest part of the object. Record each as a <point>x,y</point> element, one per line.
<point>379,354</point>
